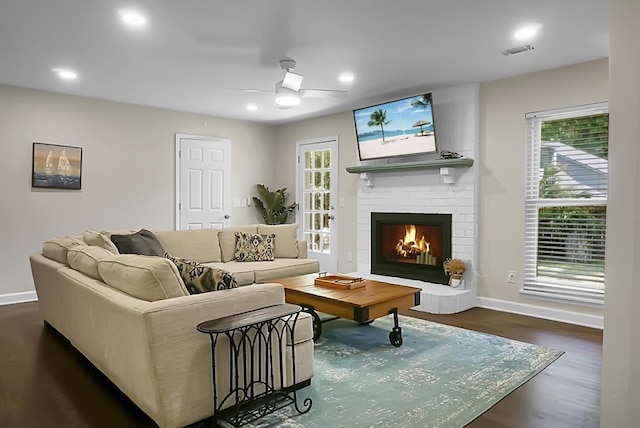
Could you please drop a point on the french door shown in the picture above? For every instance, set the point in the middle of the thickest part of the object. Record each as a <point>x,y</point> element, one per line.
<point>317,193</point>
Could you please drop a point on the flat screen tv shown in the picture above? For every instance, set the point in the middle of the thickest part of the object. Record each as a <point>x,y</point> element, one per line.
<point>396,128</point>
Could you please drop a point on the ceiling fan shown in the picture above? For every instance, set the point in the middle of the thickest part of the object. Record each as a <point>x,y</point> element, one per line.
<point>289,92</point>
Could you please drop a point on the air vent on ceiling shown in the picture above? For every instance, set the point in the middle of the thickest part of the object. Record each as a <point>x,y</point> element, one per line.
<point>517,49</point>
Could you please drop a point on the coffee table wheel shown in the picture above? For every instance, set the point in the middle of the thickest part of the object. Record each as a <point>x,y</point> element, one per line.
<point>317,325</point>
<point>395,337</point>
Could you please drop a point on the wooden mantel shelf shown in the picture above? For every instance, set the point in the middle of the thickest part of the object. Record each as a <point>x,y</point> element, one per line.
<point>405,166</point>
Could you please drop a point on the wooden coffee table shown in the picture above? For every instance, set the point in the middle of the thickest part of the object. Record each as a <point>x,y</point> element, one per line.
<point>363,305</point>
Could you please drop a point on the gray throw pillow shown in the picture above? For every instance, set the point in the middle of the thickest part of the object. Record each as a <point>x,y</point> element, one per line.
<point>143,242</point>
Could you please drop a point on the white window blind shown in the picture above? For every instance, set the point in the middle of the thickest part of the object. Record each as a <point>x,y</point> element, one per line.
<point>566,202</point>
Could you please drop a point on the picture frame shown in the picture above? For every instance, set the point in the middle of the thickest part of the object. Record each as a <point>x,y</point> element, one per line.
<point>56,166</point>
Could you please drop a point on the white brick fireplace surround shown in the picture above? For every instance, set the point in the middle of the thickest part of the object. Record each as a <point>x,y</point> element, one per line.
<point>456,112</point>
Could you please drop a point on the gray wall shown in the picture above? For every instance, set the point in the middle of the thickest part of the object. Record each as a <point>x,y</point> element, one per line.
<point>621,355</point>
<point>503,105</point>
<point>128,177</point>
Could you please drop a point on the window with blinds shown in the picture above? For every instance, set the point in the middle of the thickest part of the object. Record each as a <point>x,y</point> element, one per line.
<point>566,203</point>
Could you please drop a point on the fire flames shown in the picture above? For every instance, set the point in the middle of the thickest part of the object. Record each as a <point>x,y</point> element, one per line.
<point>409,246</point>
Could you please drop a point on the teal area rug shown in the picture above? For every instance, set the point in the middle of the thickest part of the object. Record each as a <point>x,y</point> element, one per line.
<point>441,376</point>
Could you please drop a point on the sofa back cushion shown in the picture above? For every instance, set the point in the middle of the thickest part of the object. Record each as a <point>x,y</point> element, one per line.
<point>144,277</point>
<point>143,242</point>
<point>286,241</point>
<point>99,239</point>
<point>57,248</point>
<point>227,238</point>
<point>85,259</point>
<point>200,246</point>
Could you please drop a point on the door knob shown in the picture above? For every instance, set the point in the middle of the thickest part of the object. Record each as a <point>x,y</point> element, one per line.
<point>331,217</point>
<point>227,216</point>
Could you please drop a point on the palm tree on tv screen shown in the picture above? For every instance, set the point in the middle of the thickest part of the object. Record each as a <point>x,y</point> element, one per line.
<point>379,118</point>
<point>422,102</point>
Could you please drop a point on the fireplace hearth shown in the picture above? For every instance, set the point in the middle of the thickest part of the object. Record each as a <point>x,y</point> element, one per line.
<point>410,245</point>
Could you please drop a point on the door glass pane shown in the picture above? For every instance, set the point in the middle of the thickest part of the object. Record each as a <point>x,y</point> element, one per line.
<point>308,181</point>
<point>307,221</point>
<point>316,241</point>
<point>317,199</point>
<point>316,222</point>
<point>317,180</point>
<point>307,160</point>
<point>327,158</point>
<point>318,159</point>
<point>325,222</point>
<point>327,180</point>
<point>326,242</point>
<point>327,201</point>
<point>306,204</point>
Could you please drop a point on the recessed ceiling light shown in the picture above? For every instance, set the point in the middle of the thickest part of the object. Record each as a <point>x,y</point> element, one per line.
<point>527,32</point>
<point>132,18</point>
<point>252,107</point>
<point>346,77</point>
<point>65,73</point>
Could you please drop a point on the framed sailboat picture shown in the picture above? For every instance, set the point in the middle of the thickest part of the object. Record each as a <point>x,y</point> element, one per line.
<point>56,167</point>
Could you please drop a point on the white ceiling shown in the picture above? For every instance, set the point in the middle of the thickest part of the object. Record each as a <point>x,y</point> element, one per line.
<point>196,55</point>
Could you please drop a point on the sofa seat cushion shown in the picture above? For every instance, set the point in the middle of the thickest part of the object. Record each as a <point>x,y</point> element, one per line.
<point>200,246</point>
<point>304,328</point>
<point>143,242</point>
<point>241,271</point>
<point>253,247</point>
<point>85,259</point>
<point>57,248</point>
<point>286,242</point>
<point>282,268</point>
<point>148,278</point>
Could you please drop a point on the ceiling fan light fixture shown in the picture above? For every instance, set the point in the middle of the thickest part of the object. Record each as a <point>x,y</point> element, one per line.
<point>286,97</point>
<point>292,80</point>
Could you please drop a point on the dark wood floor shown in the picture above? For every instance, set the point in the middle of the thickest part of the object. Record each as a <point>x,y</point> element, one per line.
<point>44,383</point>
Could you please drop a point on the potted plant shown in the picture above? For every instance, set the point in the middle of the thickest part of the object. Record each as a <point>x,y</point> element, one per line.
<point>272,205</point>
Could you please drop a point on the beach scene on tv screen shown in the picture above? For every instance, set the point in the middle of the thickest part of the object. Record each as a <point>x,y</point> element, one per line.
<point>396,128</point>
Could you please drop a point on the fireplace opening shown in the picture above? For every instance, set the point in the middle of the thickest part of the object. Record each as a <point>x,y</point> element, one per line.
<point>410,245</point>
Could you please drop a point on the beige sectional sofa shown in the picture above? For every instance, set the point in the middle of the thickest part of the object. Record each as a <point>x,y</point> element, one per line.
<point>133,318</point>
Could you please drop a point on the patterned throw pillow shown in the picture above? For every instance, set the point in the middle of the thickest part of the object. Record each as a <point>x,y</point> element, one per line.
<point>255,247</point>
<point>200,279</point>
<point>184,266</point>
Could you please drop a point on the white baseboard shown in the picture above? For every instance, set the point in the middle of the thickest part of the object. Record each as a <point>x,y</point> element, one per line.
<point>25,296</point>
<point>586,320</point>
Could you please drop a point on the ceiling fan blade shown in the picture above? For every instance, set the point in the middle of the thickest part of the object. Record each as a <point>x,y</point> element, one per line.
<point>252,90</point>
<point>322,93</point>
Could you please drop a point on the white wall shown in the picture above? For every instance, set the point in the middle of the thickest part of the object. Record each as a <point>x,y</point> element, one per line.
<point>342,126</point>
<point>504,104</point>
<point>128,176</point>
<point>456,119</point>
<point>621,354</point>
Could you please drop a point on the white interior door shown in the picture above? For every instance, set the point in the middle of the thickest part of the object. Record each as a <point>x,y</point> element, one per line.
<point>317,193</point>
<point>203,167</point>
